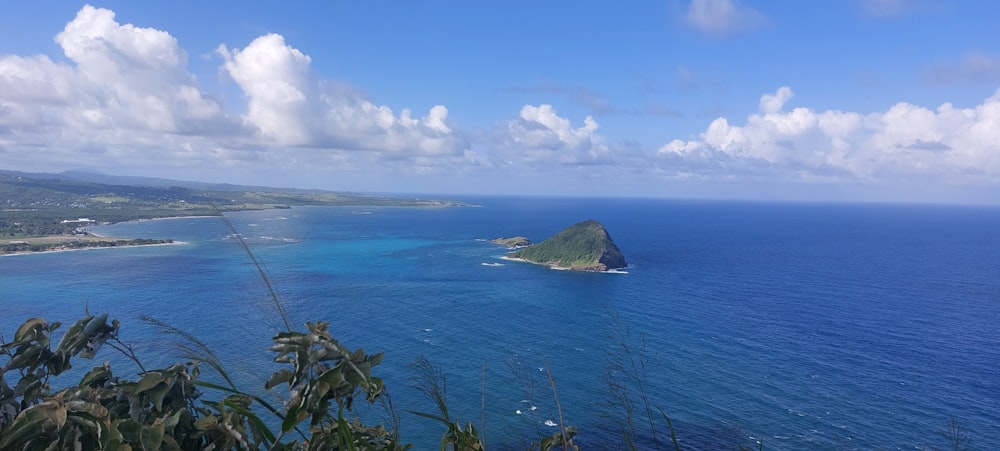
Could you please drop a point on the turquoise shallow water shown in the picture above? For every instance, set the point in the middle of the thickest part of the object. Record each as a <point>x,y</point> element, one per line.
<point>805,326</point>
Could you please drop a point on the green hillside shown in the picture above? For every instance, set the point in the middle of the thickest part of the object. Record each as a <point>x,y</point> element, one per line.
<point>33,204</point>
<point>585,246</point>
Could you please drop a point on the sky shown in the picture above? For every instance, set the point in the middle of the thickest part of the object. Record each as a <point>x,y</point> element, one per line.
<point>843,100</point>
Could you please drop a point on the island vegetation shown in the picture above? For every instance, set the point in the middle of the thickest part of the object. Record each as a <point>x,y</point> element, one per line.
<point>516,242</point>
<point>585,246</point>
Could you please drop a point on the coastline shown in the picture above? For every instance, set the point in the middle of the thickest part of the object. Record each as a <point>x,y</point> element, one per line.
<point>89,248</point>
<point>57,241</point>
<point>563,268</point>
<point>91,237</point>
<point>168,217</point>
<point>66,243</point>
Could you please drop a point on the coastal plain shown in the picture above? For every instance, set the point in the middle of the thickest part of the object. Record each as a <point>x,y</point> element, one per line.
<point>49,212</point>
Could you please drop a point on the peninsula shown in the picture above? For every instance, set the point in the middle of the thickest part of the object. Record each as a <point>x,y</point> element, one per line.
<point>585,246</point>
<point>49,212</point>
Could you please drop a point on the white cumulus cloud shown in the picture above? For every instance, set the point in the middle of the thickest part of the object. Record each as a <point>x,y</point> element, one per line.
<point>125,97</point>
<point>289,107</point>
<point>123,91</point>
<point>773,103</point>
<point>904,141</point>
<point>540,135</point>
<point>134,76</point>
<point>122,76</point>
<point>276,80</point>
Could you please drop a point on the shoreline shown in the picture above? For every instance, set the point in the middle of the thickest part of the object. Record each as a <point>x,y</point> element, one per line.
<point>166,217</point>
<point>562,268</point>
<point>91,237</point>
<point>90,248</point>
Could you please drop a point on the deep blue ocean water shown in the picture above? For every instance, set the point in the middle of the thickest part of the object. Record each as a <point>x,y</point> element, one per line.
<point>807,326</point>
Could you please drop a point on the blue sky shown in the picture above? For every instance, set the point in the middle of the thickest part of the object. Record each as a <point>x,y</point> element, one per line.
<point>819,100</point>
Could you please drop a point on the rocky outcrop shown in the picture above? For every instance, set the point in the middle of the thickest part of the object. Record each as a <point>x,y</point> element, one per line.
<point>586,246</point>
<point>516,242</point>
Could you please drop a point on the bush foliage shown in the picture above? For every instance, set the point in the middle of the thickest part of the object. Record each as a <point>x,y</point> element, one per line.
<point>167,408</point>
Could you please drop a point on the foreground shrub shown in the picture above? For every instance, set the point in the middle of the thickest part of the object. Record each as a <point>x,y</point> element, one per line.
<point>164,409</point>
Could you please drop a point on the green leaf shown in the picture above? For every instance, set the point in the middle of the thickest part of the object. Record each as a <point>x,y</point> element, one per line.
<point>171,421</point>
<point>29,384</point>
<point>334,376</point>
<point>96,411</point>
<point>112,437</point>
<point>345,435</point>
<point>157,394</point>
<point>254,420</point>
<point>129,430</point>
<point>97,322</point>
<point>27,357</point>
<point>279,377</point>
<point>207,422</point>
<point>292,418</point>
<point>27,425</point>
<point>170,444</point>
<point>96,377</point>
<point>151,437</point>
<point>73,333</point>
<point>59,362</point>
<point>28,330</point>
<point>86,423</point>
<point>84,337</point>
<point>148,381</point>
<point>259,400</point>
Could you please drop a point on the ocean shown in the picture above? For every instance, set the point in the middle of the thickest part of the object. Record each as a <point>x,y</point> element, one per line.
<point>804,326</point>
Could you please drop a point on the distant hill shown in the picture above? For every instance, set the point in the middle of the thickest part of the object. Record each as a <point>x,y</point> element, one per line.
<point>585,246</point>
<point>93,176</point>
<point>85,189</point>
<point>39,204</point>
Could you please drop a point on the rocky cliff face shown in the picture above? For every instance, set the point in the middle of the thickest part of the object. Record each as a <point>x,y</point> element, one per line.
<point>586,246</point>
<point>611,260</point>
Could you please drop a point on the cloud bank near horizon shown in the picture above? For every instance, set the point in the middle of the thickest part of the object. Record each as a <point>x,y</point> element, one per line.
<point>124,95</point>
<point>905,141</point>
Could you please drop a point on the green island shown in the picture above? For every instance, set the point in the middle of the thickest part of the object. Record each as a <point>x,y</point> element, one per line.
<point>48,212</point>
<point>516,242</point>
<point>585,246</point>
